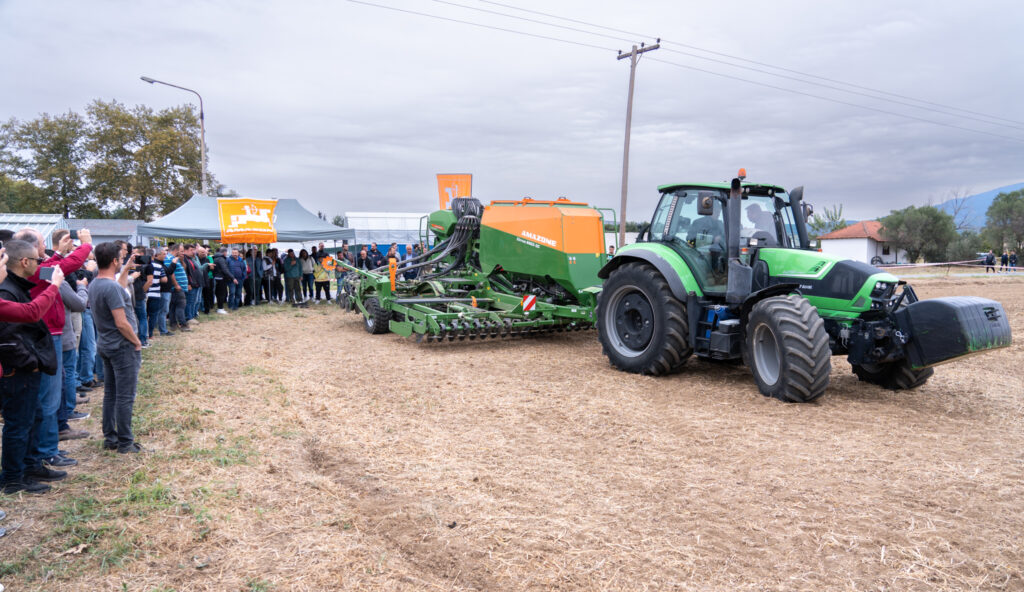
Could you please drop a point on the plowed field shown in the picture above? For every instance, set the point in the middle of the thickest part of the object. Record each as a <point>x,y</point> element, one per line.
<point>293,451</point>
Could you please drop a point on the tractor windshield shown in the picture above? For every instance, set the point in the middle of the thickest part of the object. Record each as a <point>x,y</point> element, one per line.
<point>699,239</point>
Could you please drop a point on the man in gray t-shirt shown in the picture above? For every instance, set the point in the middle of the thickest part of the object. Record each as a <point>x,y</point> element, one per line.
<point>118,346</point>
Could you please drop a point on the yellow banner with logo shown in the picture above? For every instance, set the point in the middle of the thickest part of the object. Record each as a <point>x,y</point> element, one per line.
<point>450,186</point>
<point>246,220</point>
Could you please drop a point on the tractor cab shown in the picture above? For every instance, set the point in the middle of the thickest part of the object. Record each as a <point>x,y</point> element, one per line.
<point>693,220</point>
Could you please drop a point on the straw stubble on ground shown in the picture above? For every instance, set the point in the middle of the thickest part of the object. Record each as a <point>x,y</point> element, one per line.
<point>293,451</point>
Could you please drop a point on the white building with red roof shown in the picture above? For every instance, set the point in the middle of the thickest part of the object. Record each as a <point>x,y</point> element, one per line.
<point>862,241</point>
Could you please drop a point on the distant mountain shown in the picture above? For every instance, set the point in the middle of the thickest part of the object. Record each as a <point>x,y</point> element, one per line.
<point>976,205</point>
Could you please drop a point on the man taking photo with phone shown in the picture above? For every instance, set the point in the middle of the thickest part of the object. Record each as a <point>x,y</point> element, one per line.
<point>43,446</point>
<point>118,346</point>
<point>26,355</point>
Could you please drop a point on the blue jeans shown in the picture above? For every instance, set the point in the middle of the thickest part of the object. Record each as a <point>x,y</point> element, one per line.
<point>68,398</point>
<point>18,404</point>
<point>87,349</point>
<point>143,318</point>
<point>43,441</point>
<point>235,297</point>
<point>192,303</point>
<point>161,315</point>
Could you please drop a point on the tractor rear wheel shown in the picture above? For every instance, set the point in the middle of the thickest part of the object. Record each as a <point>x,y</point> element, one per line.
<point>896,376</point>
<point>787,349</point>
<point>641,324</point>
<point>377,319</point>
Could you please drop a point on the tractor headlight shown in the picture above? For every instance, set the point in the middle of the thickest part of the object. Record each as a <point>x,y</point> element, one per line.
<point>881,291</point>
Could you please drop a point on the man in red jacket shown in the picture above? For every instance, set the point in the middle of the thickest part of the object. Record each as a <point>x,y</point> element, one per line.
<point>19,386</point>
<point>43,445</point>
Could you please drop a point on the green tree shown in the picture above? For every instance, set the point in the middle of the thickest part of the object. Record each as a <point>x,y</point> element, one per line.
<point>924,232</point>
<point>630,226</point>
<point>221,190</point>
<point>19,197</point>
<point>145,162</point>
<point>338,220</point>
<point>965,247</point>
<point>1004,226</point>
<point>831,221</point>
<point>50,153</point>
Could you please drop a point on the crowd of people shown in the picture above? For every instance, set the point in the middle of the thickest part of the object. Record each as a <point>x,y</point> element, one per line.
<point>1007,261</point>
<point>61,312</point>
<point>75,317</point>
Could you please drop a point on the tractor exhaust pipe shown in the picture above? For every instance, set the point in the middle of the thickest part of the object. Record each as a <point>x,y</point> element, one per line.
<point>741,276</point>
<point>796,205</point>
<point>733,220</point>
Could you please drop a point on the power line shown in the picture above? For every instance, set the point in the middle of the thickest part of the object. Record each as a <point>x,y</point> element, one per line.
<point>694,68</point>
<point>841,102</point>
<point>529,20</point>
<point>454,20</point>
<point>767,65</point>
<point>852,92</point>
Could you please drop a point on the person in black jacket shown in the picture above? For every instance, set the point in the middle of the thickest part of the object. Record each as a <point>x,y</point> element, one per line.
<point>24,355</point>
<point>222,277</point>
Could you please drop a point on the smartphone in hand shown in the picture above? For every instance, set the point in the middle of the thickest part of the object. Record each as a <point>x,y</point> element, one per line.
<point>46,273</point>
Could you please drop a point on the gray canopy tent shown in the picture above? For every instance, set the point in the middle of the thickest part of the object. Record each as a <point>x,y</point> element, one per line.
<point>197,218</point>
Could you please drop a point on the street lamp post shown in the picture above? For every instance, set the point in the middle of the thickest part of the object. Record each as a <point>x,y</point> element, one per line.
<point>202,126</point>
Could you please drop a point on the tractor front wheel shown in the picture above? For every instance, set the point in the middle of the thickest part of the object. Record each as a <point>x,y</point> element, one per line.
<point>377,318</point>
<point>641,324</point>
<point>787,349</point>
<point>896,376</point>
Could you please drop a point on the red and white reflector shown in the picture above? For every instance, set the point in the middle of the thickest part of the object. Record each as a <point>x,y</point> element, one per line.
<point>529,302</point>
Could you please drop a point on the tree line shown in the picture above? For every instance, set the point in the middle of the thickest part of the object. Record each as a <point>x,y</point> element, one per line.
<point>933,235</point>
<point>114,161</point>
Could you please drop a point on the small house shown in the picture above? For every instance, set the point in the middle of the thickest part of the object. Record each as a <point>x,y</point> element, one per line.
<point>862,241</point>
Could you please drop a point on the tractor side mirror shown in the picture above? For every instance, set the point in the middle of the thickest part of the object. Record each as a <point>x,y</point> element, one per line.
<point>808,210</point>
<point>705,205</point>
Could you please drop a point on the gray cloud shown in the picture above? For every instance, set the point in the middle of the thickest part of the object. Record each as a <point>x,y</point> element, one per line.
<point>349,107</point>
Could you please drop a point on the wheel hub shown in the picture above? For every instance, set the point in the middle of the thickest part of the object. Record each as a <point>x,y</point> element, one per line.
<point>767,355</point>
<point>634,321</point>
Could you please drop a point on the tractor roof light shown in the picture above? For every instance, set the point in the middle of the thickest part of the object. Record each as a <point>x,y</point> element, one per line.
<point>742,174</point>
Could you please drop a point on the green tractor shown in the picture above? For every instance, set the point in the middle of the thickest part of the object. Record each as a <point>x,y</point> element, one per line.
<point>725,271</point>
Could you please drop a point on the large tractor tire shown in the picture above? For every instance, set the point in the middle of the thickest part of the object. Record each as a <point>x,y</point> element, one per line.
<point>787,349</point>
<point>641,325</point>
<point>377,319</point>
<point>895,376</point>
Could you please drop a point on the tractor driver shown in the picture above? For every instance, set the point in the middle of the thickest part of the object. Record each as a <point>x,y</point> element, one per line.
<point>764,223</point>
<point>761,219</point>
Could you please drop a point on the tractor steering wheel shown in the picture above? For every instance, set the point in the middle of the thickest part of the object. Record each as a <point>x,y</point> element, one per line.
<point>766,237</point>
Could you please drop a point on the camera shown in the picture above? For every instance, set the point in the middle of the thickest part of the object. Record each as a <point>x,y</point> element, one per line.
<point>74,234</point>
<point>142,259</point>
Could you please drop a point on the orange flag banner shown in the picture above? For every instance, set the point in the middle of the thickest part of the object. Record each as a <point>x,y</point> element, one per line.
<point>246,220</point>
<point>450,186</point>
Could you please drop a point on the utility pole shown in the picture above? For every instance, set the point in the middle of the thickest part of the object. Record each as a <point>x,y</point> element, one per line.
<point>629,121</point>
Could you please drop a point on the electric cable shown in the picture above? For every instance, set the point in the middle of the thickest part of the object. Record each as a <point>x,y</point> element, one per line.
<point>749,61</point>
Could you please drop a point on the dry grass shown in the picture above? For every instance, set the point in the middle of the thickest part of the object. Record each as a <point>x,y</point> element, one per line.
<point>293,451</point>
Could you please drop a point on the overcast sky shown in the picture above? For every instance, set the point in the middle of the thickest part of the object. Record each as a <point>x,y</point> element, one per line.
<point>349,107</point>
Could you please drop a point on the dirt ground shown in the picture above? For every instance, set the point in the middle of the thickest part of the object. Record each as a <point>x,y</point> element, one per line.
<point>293,451</point>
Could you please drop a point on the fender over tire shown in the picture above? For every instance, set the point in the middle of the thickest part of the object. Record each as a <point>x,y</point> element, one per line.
<point>641,324</point>
<point>787,349</point>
